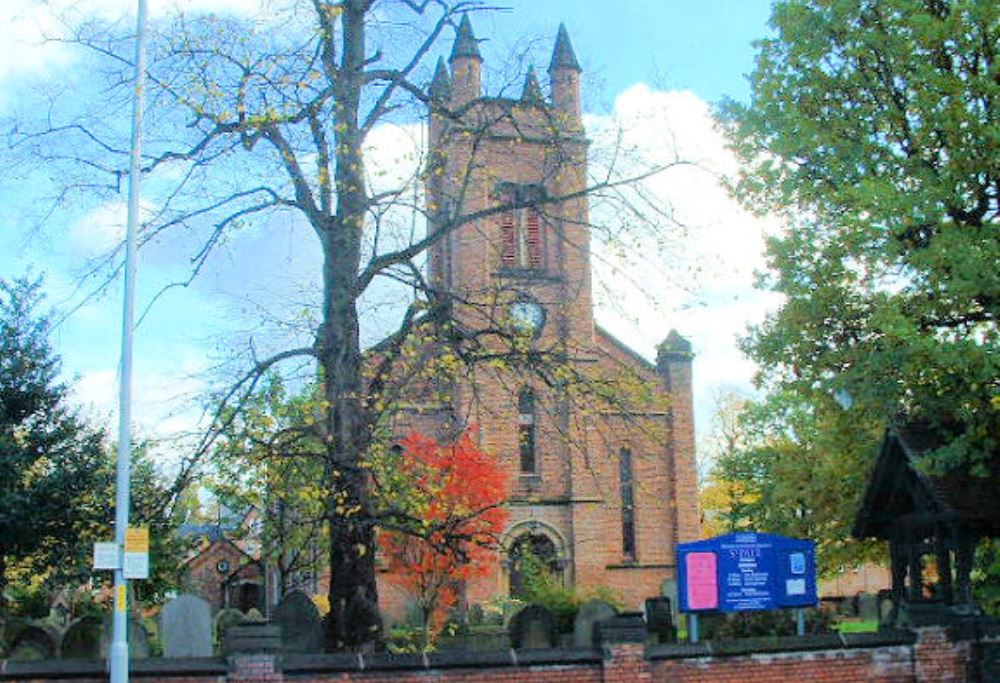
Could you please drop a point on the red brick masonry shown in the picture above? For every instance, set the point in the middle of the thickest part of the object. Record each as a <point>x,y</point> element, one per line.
<point>929,655</point>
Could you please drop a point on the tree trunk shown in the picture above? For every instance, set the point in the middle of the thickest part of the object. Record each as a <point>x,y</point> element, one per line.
<point>353,622</point>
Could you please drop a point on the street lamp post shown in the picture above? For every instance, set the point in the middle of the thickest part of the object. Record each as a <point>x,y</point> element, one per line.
<point>118,655</point>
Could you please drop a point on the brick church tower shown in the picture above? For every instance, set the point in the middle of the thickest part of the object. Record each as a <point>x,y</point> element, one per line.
<point>601,488</point>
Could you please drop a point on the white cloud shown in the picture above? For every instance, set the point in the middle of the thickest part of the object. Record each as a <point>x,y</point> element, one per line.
<point>31,34</point>
<point>102,228</point>
<point>164,399</point>
<point>698,276</point>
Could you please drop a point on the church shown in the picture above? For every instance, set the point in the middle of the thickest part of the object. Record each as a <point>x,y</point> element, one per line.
<point>602,469</point>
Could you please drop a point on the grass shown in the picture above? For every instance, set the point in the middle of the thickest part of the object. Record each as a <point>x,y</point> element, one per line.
<point>857,626</point>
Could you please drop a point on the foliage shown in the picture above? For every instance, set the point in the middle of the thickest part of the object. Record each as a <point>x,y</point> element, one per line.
<point>543,588</point>
<point>268,460</point>
<point>799,470</point>
<point>762,624</point>
<point>456,491</point>
<point>873,128</point>
<point>986,576</point>
<point>49,459</point>
<point>58,476</point>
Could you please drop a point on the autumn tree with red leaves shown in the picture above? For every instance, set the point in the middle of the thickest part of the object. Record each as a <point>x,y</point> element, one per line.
<point>458,492</point>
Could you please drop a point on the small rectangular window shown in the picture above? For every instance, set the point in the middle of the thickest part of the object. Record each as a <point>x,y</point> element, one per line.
<point>627,489</point>
<point>526,430</point>
<point>526,444</point>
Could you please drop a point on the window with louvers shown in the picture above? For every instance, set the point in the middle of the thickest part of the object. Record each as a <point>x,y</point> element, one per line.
<point>521,230</point>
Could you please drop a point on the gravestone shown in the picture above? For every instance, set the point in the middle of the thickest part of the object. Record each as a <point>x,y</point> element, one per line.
<point>884,606</point>
<point>301,628</point>
<point>587,617</point>
<point>32,644</point>
<point>138,639</point>
<point>186,627</point>
<point>533,627</point>
<point>660,620</point>
<point>668,589</point>
<point>82,639</point>
<point>225,618</point>
<point>868,607</point>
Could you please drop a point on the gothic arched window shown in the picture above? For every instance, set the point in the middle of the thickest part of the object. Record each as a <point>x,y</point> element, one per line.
<point>526,430</point>
<point>532,553</point>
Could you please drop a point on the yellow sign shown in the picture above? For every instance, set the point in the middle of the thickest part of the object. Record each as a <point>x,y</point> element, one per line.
<point>137,539</point>
<point>120,599</point>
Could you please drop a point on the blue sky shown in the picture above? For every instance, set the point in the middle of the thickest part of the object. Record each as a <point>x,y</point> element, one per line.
<point>656,64</point>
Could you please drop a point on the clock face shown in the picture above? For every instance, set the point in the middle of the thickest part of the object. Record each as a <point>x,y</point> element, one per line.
<point>222,566</point>
<point>527,316</point>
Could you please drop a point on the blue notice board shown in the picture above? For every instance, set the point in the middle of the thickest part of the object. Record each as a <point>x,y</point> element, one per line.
<point>746,571</point>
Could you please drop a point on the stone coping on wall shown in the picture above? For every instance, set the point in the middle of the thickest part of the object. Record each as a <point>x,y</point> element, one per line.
<point>153,667</point>
<point>975,628</point>
<point>451,659</point>
<point>750,646</point>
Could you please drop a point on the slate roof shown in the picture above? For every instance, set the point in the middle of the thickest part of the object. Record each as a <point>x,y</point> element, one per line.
<point>563,56</point>
<point>465,42</point>
<point>957,496</point>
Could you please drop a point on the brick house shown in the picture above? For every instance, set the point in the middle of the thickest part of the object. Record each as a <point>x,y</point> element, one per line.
<point>601,490</point>
<point>222,573</point>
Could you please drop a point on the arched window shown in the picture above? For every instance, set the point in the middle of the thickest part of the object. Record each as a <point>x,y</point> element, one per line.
<point>532,554</point>
<point>627,486</point>
<point>526,430</point>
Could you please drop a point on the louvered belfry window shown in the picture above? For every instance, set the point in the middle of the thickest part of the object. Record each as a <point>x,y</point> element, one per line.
<point>521,228</point>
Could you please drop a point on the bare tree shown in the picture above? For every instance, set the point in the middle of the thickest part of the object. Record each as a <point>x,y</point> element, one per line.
<point>251,122</point>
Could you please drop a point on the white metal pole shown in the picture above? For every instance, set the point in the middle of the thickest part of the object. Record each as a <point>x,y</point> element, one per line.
<point>118,656</point>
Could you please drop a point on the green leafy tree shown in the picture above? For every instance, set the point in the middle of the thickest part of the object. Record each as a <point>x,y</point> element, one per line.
<point>873,127</point>
<point>57,475</point>
<point>270,460</point>
<point>50,460</point>
<point>797,468</point>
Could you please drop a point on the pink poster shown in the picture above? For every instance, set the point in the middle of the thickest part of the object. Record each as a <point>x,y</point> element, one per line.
<point>702,582</point>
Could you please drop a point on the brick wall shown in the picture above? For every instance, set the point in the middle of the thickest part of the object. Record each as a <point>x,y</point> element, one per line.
<point>927,656</point>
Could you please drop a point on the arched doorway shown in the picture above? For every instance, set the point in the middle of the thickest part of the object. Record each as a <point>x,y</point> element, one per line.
<point>532,552</point>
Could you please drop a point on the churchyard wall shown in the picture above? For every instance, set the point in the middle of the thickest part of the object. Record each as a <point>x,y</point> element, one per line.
<point>922,656</point>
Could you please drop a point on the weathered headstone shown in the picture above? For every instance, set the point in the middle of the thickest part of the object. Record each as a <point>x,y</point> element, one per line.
<point>885,606</point>
<point>301,628</point>
<point>587,617</point>
<point>532,628</point>
<point>82,639</point>
<point>668,589</point>
<point>627,627</point>
<point>251,637</point>
<point>186,627</point>
<point>138,639</point>
<point>868,607</point>
<point>32,644</point>
<point>225,618</point>
<point>660,620</point>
